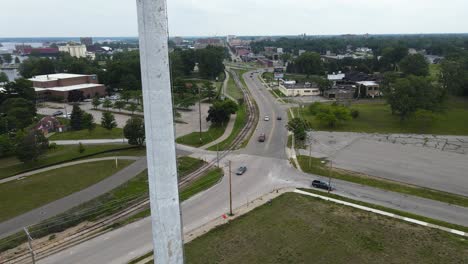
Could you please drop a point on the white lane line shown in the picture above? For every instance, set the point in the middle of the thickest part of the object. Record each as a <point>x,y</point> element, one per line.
<point>414,221</point>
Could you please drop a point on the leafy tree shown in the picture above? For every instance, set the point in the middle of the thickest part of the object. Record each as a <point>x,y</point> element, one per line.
<point>3,77</point>
<point>119,105</point>
<point>134,131</point>
<point>20,88</point>
<point>108,121</point>
<point>299,127</point>
<point>126,96</point>
<point>132,107</point>
<point>221,111</point>
<point>208,91</point>
<point>210,61</point>
<point>31,146</point>
<point>309,63</point>
<point>7,58</point>
<point>6,146</point>
<point>87,122</point>
<point>107,103</point>
<point>454,74</point>
<point>36,66</point>
<point>17,60</point>
<point>75,96</point>
<point>18,112</point>
<point>76,118</point>
<point>333,115</point>
<point>96,102</point>
<point>415,65</point>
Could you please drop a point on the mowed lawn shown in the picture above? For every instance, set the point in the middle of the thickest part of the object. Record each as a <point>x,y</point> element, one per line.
<point>20,196</point>
<point>98,133</point>
<point>377,118</point>
<point>301,229</point>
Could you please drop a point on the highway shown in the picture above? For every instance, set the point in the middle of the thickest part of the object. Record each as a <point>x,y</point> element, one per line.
<point>268,169</point>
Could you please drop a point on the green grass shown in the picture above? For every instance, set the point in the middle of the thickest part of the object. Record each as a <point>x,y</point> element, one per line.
<point>390,210</point>
<point>193,139</point>
<point>98,133</point>
<point>203,183</point>
<point>301,229</point>
<point>186,165</point>
<point>136,152</point>
<point>34,191</point>
<point>12,166</point>
<point>241,120</point>
<point>316,167</point>
<point>232,89</point>
<point>377,118</point>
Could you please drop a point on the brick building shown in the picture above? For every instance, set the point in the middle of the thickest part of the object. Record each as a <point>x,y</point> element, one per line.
<point>60,84</point>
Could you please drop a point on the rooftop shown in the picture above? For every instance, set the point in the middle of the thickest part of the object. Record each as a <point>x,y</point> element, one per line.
<point>69,88</point>
<point>368,83</point>
<point>55,77</point>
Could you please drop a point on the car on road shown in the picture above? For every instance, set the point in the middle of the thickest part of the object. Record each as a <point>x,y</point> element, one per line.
<point>321,185</point>
<point>241,170</point>
<point>262,137</point>
<point>279,118</point>
<point>57,113</point>
<point>267,118</point>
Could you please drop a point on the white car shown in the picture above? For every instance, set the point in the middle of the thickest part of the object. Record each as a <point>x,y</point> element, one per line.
<point>267,118</point>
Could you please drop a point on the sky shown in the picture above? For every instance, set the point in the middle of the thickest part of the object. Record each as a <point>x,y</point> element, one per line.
<point>112,18</point>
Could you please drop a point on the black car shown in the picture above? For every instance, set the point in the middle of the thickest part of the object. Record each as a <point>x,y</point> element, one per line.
<point>321,185</point>
<point>241,170</point>
<point>262,137</point>
<point>279,118</point>
<point>57,113</point>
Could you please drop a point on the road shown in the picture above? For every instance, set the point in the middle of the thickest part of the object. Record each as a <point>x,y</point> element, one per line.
<point>268,169</point>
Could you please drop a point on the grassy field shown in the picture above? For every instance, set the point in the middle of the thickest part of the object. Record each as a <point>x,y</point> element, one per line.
<point>316,167</point>
<point>300,229</point>
<point>232,89</point>
<point>23,195</point>
<point>193,139</point>
<point>203,183</point>
<point>241,120</point>
<point>98,133</point>
<point>377,118</point>
<point>186,165</point>
<point>12,166</point>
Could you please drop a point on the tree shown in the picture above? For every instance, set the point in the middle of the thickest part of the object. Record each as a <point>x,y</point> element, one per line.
<point>31,146</point>
<point>406,95</point>
<point>76,118</point>
<point>309,63</point>
<point>415,65</point>
<point>134,131</point>
<point>119,105</point>
<point>208,91</point>
<point>299,127</point>
<point>7,58</point>
<point>18,112</point>
<point>75,96</point>
<point>3,77</point>
<point>333,115</point>
<point>132,107</point>
<point>108,121</point>
<point>210,61</point>
<point>107,104</point>
<point>454,75</point>
<point>126,96</point>
<point>221,111</point>
<point>17,60</point>
<point>6,146</point>
<point>87,122</point>
<point>96,102</point>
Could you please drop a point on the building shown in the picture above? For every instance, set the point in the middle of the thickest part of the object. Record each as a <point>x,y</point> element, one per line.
<point>205,42</point>
<point>61,84</point>
<point>87,41</point>
<point>336,77</point>
<point>75,50</point>
<point>368,89</point>
<point>291,88</point>
<point>341,92</point>
<point>265,62</point>
<point>43,52</point>
<point>49,124</point>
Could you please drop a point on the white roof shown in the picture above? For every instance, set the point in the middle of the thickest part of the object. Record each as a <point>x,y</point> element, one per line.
<point>368,83</point>
<point>336,77</point>
<point>55,77</point>
<point>70,88</point>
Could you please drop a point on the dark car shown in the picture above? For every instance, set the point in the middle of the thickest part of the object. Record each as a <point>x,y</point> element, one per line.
<point>321,185</point>
<point>241,170</point>
<point>57,113</point>
<point>279,118</point>
<point>262,137</point>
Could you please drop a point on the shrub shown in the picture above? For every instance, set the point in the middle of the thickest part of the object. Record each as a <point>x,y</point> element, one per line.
<point>354,113</point>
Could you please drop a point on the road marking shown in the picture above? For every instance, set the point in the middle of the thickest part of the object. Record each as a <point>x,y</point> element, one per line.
<point>380,212</point>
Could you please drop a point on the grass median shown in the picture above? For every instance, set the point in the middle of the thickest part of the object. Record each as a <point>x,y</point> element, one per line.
<point>193,139</point>
<point>300,229</point>
<point>34,191</point>
<point>317,167</point>
<point>12,166</point>
<point>98,133</point>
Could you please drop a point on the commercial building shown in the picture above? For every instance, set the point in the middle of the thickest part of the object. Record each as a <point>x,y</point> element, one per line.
<point>205,42</point>
<point>368,89</point>
<point>341,92</point>
<point>61,84</point>
<point>291,88</point>
<point>76,50</point>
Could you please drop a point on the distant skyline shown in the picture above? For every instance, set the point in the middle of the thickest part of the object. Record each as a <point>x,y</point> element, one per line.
<point>117,18</point>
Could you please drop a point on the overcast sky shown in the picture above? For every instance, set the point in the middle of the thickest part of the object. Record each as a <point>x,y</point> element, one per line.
<point>65,18</point>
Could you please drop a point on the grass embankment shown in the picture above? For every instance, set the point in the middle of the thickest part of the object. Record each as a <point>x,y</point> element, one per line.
<point>239,123</point>
<point>390,210</point>
<point>12,166</point>
<point>232,89</point>
<point>98,133</point>
<point>34,191</point>
<point>322,169</point>
<point>377,118</point>
<point>193,139</point>
<point>301,229</point>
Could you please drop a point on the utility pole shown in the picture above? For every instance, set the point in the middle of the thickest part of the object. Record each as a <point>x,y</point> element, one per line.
<point>199,112</point>
<point>230,191</point>
<point>31,250</point>
<point>159,127</point>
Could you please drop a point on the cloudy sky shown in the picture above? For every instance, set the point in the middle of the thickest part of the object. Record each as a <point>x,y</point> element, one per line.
<point>66,18</point>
